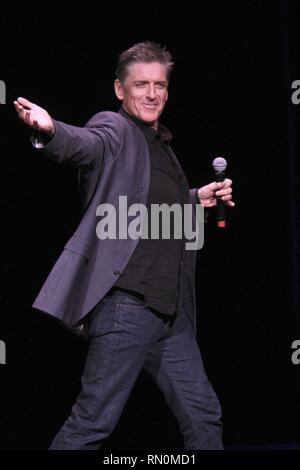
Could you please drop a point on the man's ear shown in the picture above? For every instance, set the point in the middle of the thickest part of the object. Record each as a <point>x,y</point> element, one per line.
<point>119,89</point>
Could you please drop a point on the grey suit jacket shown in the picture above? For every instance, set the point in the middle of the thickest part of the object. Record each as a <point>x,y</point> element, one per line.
<point>113,156</point>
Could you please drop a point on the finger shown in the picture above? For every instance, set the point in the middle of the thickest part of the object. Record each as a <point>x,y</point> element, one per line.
<point>210,203</point>
<point>25,103</point>
<point>224,184</point>
<point>228,182</point>
<point>214,186</point>
<point>230,203</point>
<point>226,197</point>
<point>28,118</point>
<point>19,108</point>
<point>224,192</point>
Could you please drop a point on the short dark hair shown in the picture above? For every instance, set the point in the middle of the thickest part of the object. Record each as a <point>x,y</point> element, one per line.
<point>146,51</point>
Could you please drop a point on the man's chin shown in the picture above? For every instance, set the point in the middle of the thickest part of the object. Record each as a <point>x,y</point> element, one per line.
<point>149,117</point>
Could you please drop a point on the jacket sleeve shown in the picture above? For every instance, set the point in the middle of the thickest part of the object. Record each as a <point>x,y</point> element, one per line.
<point>194,199</point>
<point>194,196</point>
<point>83,146</point>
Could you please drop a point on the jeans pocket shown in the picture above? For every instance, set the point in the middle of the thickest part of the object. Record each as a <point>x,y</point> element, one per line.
<point>101,319</point>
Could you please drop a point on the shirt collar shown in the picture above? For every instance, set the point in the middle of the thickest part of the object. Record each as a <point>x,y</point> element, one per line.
<point>151,134</point>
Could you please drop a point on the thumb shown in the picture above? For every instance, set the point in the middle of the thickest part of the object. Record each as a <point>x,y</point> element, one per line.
<point>214,186</point>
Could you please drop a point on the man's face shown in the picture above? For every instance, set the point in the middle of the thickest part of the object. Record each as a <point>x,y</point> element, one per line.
<point>144,91</point>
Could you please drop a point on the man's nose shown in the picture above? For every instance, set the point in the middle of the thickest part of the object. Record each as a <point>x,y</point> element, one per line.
<point>151,91</point>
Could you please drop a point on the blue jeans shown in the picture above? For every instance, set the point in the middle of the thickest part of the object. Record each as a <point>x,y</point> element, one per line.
<point>126,336</point>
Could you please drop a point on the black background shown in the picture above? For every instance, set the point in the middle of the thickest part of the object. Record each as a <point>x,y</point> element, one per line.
<point>230,95</point>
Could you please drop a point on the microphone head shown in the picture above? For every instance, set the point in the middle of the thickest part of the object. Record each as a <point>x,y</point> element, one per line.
<point>219,164</point>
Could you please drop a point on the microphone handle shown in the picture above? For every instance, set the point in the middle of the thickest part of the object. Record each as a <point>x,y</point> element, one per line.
<point>221,206</point>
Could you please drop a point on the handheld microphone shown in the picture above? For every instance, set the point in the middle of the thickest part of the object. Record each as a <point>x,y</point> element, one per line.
<point>219,165</point>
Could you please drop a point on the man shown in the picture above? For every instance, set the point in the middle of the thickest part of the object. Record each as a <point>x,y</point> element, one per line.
<point>135,296</point>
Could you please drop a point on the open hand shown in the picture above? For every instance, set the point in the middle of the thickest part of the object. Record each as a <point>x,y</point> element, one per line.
<point>34,116</point>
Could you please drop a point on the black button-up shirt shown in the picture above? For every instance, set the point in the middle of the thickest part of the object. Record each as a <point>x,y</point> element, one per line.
<point>153,270</point>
